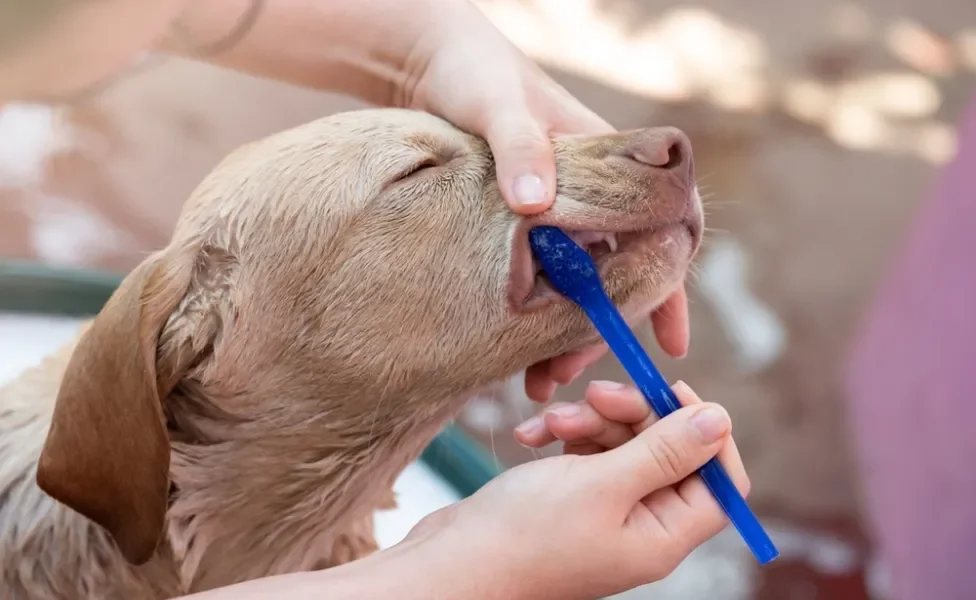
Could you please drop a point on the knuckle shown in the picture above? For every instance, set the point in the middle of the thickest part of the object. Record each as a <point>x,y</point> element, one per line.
<point>520,136</point>
<point>667,456</point>
<point>600,423</point>
<point>601,429</point>
<point>527,143</point>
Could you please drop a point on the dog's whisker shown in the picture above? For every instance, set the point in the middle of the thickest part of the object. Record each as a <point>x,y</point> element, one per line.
<point>494,452</point>
<point>699,179</point>
<point>535,452</point>
<point>715,202</point>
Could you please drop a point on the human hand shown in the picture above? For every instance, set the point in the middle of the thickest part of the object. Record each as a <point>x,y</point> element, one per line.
<point>466,71</point>
<point>617,510</point>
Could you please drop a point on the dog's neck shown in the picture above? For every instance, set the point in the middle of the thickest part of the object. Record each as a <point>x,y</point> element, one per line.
<point>251,499</point>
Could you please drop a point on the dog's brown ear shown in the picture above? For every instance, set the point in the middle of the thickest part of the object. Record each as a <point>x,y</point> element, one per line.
<point>107,453</point>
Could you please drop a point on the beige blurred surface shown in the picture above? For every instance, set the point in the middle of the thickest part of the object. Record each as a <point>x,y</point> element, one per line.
<point>817,128</point>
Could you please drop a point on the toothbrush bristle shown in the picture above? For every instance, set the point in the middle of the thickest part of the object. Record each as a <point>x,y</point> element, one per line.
<point>569,267</point>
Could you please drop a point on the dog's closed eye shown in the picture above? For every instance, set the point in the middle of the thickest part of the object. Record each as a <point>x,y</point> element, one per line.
<point>417,168</point>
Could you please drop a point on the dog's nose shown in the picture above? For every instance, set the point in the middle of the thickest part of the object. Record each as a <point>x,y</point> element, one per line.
<point>666,148</point>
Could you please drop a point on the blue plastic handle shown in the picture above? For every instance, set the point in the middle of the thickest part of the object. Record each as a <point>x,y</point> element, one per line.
<point>572,272</point>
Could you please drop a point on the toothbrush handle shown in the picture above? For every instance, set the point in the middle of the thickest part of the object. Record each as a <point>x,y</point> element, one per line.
<point>658,394</point>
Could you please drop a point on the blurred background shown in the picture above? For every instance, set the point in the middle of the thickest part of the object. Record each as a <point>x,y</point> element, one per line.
<point>819,129</point>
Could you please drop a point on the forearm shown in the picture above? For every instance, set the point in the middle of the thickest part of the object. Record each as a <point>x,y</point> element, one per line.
<point>357,47</point>
<point>408,571</point>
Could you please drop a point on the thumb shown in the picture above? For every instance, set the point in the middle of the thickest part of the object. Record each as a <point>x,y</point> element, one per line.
<point>525,162</point>
<point>668,451</point>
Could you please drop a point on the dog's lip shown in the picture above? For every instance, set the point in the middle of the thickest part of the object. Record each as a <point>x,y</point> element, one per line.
<point>522,277</point>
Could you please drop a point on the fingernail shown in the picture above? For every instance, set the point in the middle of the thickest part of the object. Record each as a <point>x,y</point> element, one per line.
<point>680,387</point>
<point>609,386</point>
<point>712,423</point>
<point>530,426</point>
<point>529,190</point>
<point>566,412</point>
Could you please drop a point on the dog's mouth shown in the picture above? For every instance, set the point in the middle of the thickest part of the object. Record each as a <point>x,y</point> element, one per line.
<point>530,289</point>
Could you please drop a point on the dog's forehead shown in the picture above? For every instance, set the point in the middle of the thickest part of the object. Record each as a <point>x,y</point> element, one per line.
<point>380,127</point>
<point>334,165</point>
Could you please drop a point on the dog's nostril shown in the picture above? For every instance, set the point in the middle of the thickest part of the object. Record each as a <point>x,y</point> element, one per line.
<point>675,157</point>
<point>667,149</point>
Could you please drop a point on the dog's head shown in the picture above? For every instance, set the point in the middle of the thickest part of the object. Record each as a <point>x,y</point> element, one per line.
<point>362,257</point>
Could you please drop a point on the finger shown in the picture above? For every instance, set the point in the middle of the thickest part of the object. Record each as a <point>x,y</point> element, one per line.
<point>729,453</point>
<point>618,402</point>
<point>572,116</point>
<point>686,396</point>
<point>697,496</point>
<point>542,378</point>
<point>566,368</point>
<point>580,120</point>
<point>694,492</point>
<point>580,422</point>
<point>539,385</point>
<point>671,324</point>
<point>534,432</point>
<point>690,512</point>
<point>667,452</point>
<point>609,414</point>
<point>524,160</point>
<point>572,423</point>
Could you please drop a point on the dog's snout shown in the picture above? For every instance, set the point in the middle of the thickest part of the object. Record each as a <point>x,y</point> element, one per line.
<point>665,148</point>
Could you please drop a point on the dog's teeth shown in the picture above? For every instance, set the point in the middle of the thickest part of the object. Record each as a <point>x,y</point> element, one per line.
<point>588,238</point>
<point>585,238</point>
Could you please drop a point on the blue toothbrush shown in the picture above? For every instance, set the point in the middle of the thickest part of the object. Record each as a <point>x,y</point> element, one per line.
<point>572,272</point>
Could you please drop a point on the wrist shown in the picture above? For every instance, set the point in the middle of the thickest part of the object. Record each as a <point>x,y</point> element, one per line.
<point>363,49</point>
<point>490,563</point>
<point>441,19</point>
<point>447,564</point>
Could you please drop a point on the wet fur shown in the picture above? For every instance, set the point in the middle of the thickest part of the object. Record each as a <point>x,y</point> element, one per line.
<point>247,398</point>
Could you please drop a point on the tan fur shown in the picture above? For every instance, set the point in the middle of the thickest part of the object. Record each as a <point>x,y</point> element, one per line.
<point>245,401</point>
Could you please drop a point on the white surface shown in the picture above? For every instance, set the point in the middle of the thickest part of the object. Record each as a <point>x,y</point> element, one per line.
<point>419,491</point>
<point>28,136</point>
<point>25,339</point>
<point>62,230</point>
<point>752,325</point>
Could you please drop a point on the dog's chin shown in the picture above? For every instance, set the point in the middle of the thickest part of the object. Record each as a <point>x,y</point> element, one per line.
<point>636,297</point>
<point>635,302</point>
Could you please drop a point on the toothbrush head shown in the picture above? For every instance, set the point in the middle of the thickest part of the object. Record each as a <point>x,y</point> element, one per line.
<point>569,267</point>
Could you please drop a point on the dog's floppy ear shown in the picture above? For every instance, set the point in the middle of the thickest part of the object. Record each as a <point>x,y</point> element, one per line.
<point>107,453</point>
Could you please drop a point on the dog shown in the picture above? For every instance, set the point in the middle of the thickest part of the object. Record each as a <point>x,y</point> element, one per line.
<point>330,298</point>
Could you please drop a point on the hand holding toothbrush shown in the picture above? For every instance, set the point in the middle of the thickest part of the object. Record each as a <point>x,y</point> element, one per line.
<point>618,510</point>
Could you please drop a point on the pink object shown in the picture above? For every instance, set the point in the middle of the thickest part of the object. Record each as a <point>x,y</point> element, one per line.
<point>912,388</point>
